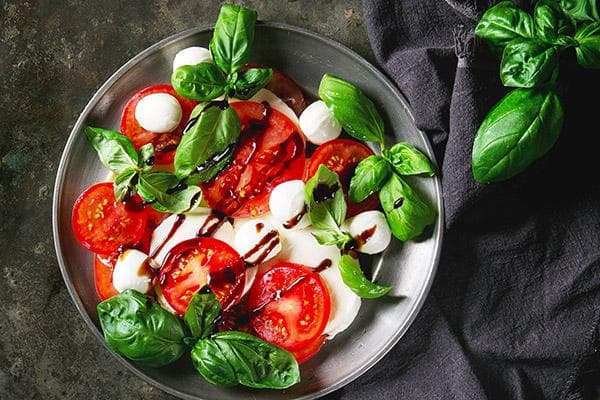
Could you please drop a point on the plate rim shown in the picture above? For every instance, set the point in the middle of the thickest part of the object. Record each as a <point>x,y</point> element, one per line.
<point>60,174</point>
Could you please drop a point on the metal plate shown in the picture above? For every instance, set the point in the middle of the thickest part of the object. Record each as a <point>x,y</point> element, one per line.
<point>304,56</point>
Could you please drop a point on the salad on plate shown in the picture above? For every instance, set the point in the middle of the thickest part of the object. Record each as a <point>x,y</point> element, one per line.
<point>236,214</point>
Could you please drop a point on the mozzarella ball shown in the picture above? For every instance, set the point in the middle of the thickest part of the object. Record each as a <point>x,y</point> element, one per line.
<point>318,123</point>
<point>370,230</point>
<point>158,112</point>
<point>132,272</point>
<point>287,204</point>
<point>257,241</point>
<point>191,56</point>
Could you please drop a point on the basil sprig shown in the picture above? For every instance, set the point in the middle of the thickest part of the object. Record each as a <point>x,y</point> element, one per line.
<point>230,46</point>
<point>355,279</point>
<point>201,314</point>
<point>526,123</point>
<point>141,330</point>
<point>161,189</point>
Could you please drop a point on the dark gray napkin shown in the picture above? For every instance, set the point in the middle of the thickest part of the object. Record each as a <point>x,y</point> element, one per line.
<point>514,309</point>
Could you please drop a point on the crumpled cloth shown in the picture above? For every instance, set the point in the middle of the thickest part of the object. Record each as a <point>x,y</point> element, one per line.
<point>513,312</point>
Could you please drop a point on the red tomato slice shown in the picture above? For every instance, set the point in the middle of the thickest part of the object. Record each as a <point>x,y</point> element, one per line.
<point>102,224</point>
<point>270,151</point>
<point>285,88</point>
<point>164,143</point>
<point>103,276</point>
<point>342,156</point>
<point>306,352</point>
<point>196,262</point>
<point>289,307</point>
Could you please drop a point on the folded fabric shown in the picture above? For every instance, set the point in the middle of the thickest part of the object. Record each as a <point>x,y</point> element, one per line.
<point>513,312</point>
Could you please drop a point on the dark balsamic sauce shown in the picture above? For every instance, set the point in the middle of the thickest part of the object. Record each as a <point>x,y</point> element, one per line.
<point>325,192</point>
<point>265,245</point>
<point>259,227</point>
<point>150,161</point>
<point>217,158</point>
<point>179,187</point>
<point>295,220</point>
<point>398,203</point>
<point>174,228</point>
<point>211,224</point>
<point>326,263</point>
<point>133,204</point>
<point>226,280</point>
<point>365,236</point>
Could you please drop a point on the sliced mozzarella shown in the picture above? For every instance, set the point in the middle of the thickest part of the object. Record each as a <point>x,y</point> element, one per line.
<point>301,247</point>
<point>257,241</point>
<point>318,123</point>
<point>344,302</point>
<point>161,299</point>
<point>370,230</point>
<point>191,56</point>
<point>170,233</point>
<point>158,112</point>
<point>286,203</point>
<point>275,102</point>
<point>132,272</point>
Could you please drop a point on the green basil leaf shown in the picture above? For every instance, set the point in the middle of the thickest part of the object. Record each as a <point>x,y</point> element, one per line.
<point>406,159</point>
<point>146,157</point>
<point>518,130</point>
<point>233,37</point>
<point>588,47</point>
<point>250,81</point>
<point>528,64</point>
<point>581,10</point>
<point>551,24</point>
<point>161,190</point>
<point>333,237</point>
<point>355,279</point>
<point>504,23</point>
<point>236,357</point>
<point>124,184</point>
<point>406,212</point>
<point>353,110</point>
<point>201,82</point>
<point>369,176</point>
<point>207,144</point>
<point>140,330</point>
<point>202,313</point>
<point>325,203</point>
<point>115,151</point>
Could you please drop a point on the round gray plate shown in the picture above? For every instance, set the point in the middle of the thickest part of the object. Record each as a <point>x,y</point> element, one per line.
<point>304,56</point>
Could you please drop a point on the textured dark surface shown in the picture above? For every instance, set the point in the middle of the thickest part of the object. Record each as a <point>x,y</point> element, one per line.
<point>53,56</point>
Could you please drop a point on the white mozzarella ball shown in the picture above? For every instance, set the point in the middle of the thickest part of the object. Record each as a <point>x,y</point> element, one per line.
<point>275,102</point>
<point>158,112</point>
<point>257,241</point>
<point>370,230</point>
<point>318,123</point>
<point>170,233</point>
<point>132,272</point>
<point>344,302</point>
<point>286,203</point>
<point>191,56</point>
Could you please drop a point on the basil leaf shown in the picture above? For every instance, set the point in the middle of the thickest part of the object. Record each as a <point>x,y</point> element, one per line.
<point>581,10</point>
<point>140,330</point>
<point>146,157</point>
<point>504,23</point>
<point>325,203</point>
<point>233,37</point>
<point>369,176</point>
<point>202,313</point>
<point>200,82</point>
<point>250,81</point>
<point>518,130</point>
<point>236,357</point>
<point>406,159</point>
<point>353,110</point>
<point>406,212</point>
<point>207,144</point>
<point>161,190</point>
<point>333,237</point>
<point>124,184</point>
<point>115,151</point>
<point>528,64</point>
<point>588,48</point>
<point>551,24</point>
<point>355,279</point>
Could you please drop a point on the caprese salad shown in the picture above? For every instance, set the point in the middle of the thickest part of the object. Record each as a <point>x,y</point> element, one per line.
<point>233,215</point>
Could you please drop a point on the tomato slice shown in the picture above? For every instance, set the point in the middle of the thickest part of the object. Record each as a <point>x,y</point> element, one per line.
<point>103,275</point>
<point>102,224</point>
<point>285,88</point>
<point>270,151</point>
<point>306,352</point>
<point>342,156</point>
<point>289,306</point>
<point>164,143</point>
<point>196,262</point>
